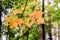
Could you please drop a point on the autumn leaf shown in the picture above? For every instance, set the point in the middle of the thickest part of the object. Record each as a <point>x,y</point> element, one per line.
<point>16,22</point>
<point>34,3</point>
<point>37,17</point>
<point>40,21</point>
<point>13,23</point>
<point>8,19</point>
<point>22,26</point>
<point>23,8</point>
<point>20,21</point>
<point>29,22</point>
<point>16,11</point>
<point>32,19</point>
<point>37,14</point>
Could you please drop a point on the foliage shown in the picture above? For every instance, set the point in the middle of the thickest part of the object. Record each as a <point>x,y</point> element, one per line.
<point>25,14</point>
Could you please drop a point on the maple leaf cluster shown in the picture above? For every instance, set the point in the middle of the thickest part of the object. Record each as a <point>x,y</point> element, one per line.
<point>35,17</point>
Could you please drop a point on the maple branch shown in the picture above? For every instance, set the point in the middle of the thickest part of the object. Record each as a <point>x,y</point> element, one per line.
<point>22,15</point>
<point>27,32</point>
<point>24,7</point>
<point>24,34</point>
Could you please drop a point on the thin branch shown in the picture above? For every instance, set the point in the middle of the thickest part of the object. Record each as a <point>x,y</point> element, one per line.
<point>24,7</point>
<point>24,34</point>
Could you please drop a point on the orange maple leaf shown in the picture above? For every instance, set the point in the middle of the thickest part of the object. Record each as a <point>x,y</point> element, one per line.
<point>37,14</point>
<point>40,21</point>
<point>16,22</point>
<point>13,23</point>
<point>29,22</point>
<point>20,21</point>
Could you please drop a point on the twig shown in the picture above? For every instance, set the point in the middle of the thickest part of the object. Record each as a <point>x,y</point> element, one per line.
<point>24,7</point>
<point>24,34</point>
<point>22,16</point>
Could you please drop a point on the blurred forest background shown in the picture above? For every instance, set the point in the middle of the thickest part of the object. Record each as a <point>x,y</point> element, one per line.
<point>23,20</point>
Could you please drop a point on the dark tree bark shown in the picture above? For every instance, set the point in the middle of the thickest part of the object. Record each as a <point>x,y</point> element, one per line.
<point>0,16</point>
<point>42,27</point>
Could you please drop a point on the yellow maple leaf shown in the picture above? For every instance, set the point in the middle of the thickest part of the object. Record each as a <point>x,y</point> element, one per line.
<point>8,19</point>
<point>34,3</point>
<point>23,8</point>
<point>16,11</point>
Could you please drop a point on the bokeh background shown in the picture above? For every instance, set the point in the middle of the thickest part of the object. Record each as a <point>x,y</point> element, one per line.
<point>22,19</point>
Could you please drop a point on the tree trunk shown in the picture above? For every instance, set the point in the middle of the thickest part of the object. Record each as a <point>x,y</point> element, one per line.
<point>0,16</point>
<point>42,27</point>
